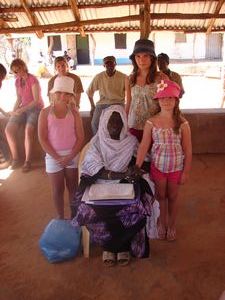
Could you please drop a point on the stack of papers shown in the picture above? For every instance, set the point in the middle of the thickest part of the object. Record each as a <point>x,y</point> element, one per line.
<point>110,194</point>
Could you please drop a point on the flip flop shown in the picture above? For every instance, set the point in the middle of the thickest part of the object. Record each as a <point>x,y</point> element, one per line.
<point>15,164</point>
<point>161,231</point>
<point>26,167</point>
<point>123,258</point>
<point>171,234</point>
<point>108,258</point>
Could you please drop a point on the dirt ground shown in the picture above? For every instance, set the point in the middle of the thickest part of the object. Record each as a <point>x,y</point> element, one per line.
<point>192,268</point>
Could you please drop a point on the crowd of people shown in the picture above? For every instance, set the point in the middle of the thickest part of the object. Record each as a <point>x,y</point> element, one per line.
<point>139,137</point>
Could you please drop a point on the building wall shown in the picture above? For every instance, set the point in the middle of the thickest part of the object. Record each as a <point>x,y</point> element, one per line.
<point>103,44</point>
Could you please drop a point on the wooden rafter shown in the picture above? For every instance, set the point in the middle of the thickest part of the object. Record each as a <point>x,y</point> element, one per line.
<point>74,24</point>
<point>75,9</point>
<point>94,25</point>
<point>217,10</point>
<point>9,19</point>
<point>31,17</point>
<point>145,20</point>
<point>94,5</point>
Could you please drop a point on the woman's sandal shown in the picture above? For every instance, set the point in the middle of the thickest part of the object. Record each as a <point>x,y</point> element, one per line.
<point>161,231</point>
<point>109,258</point>
<point>171,234</point>
<point>26,167</point>
<point>123,258</point>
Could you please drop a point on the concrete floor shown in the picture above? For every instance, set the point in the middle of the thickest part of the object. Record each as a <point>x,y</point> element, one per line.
<point>192,268</point>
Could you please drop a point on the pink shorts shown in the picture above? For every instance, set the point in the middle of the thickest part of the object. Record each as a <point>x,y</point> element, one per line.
<point>156,175</point>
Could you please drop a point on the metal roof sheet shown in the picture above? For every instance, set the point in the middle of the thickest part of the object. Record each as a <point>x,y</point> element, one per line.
<point>57,15</point>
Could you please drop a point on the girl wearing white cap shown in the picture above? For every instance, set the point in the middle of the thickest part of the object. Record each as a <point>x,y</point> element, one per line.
<point>61,135</point>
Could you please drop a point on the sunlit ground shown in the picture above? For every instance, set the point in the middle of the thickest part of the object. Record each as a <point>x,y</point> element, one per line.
<point>200,91</point>
<point>4,174</point>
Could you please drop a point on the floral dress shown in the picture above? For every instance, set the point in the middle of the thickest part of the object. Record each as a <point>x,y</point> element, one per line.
<point>141,105</point>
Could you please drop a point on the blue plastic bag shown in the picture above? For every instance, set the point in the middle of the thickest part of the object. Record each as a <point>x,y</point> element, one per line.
<point>60,241</point>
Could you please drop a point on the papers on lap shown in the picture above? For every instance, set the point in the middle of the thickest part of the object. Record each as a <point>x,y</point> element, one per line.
<point>101,191</point>
<point>110,194</point>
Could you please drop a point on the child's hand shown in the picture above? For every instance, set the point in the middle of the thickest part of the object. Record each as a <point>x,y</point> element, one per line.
<point>184,178</point>
<point>65,160</point>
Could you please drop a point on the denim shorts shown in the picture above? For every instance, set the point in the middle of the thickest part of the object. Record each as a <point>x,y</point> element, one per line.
<point>53,166</point>
<point>28,117</point>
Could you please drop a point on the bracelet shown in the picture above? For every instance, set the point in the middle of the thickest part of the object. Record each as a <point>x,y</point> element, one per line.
<point>109,175</point>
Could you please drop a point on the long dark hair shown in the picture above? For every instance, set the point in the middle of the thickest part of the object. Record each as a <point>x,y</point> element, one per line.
<point>151,77</point>
<point>177,115</point>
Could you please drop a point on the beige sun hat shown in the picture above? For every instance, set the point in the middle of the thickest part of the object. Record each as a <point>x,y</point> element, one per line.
<point>63,84</point>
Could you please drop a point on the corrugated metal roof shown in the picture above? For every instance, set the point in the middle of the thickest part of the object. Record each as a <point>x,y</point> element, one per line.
<point>57,15</point>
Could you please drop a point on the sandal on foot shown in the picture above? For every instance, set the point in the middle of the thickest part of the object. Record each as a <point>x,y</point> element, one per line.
<point>109,258</point>
<point>161,231</point>
<point>171,234</point>
<point>26,167</point>
<point>123,258</point>
<point>14,164</point>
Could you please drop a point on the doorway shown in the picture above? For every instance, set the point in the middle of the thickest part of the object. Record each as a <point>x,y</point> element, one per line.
<point>82,44</point>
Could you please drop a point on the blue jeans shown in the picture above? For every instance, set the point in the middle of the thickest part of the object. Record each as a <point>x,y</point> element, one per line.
<point>4,148</point>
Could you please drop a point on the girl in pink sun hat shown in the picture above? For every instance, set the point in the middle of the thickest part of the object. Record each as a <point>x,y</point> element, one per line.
<point>168,134</point>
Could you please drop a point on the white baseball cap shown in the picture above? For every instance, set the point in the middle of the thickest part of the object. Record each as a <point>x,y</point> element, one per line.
<point>63,84</point>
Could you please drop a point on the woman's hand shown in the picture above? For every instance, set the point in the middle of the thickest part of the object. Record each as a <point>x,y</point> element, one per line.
<point>15,113</point>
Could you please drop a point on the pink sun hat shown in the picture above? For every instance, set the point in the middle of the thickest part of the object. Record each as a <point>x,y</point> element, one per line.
<point>167,88</point>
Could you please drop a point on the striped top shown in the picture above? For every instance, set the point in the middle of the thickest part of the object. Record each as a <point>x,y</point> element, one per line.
<point>167,153</point>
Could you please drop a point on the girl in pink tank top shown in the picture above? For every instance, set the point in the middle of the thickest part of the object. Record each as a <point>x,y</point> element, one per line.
<point>61,136</point>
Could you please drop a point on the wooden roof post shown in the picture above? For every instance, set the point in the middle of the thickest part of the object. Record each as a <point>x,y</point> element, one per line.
<point>76,13</point>
<point>145,20</point>
<point>32,18</point>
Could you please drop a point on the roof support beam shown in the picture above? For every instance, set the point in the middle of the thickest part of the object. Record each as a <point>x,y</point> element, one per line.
<point>212,21</point>
<point>9,19</point>
<point>88,6</point>
<point>31,17</point>
<point>68,25</point>
<point>76,13</point>
<point>145,20</point>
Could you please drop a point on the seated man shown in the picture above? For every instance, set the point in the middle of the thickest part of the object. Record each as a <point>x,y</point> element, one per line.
<point>111,86</point>
<point>163,64</point>
<point>119,229</point>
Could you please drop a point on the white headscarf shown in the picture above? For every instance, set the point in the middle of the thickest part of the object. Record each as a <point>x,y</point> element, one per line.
<point>113,155</point>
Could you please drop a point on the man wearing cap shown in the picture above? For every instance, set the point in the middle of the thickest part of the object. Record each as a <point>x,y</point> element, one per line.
<point>163,64</point>
<point>111,86</point>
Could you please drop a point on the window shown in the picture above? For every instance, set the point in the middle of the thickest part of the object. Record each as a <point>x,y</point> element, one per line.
<point>180,37</point>
<point>55,41</point>
<point>120,40</point>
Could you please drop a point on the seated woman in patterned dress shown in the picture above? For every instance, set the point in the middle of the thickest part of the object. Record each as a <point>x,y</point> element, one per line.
<point>119,229</point>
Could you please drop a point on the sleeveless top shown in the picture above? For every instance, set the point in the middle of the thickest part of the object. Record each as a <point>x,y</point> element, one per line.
<point>61,132</point>
<point>167,153</point>
<point>141,104</point>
